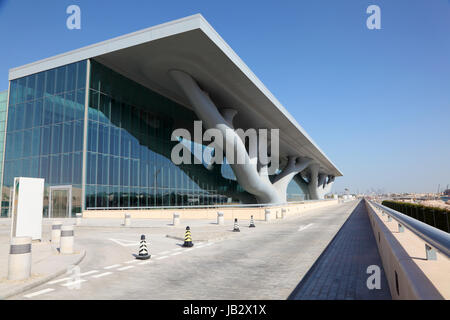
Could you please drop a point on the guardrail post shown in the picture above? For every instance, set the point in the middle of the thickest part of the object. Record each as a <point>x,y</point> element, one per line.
<point>176,219</point>
<point>78,219</point>
<point>431,252</point>
<point>19,264</point>
<point>220,219</point>
<point>56,234</point>
<point>127,220</point>
<point>400,228</point>
<point>67,239</point>
<point>268,216</point>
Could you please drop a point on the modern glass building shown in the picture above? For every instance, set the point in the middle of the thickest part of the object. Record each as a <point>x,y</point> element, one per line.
<point>3,107</point>
<point>101,136</point>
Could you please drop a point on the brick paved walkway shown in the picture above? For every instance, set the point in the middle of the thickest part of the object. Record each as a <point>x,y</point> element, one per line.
<point>340,272</point>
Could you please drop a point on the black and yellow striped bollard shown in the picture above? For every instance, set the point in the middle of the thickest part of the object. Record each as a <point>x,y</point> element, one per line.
<point>188,238</point>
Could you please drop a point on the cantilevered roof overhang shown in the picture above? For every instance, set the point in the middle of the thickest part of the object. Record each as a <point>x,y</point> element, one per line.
<point>192,45</point>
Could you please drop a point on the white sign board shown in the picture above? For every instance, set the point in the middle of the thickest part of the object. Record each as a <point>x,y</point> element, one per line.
<point>27,208</point>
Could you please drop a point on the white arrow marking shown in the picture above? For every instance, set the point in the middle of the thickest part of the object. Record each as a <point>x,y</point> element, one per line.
<point>125,243</point>
<point>38,293</point>
<point>301,228</point>
<point>102,274</point>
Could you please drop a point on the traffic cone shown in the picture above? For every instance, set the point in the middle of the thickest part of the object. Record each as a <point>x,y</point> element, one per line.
<point>236,226</point>
<point>143,251</point>
<point>187,238</point>
<point>252,223</point>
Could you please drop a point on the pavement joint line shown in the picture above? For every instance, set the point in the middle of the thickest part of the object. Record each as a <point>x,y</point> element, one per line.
<point>88,273</point>
<point>163,257</point>
<point>102,274</point>
<point>59,280</point>
<point>112,266</point>
<point>67,284</point>
<point>125,268</point>
<point>37,293</point>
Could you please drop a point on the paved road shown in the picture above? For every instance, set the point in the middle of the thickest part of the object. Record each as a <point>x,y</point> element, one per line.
<point>266,262</point>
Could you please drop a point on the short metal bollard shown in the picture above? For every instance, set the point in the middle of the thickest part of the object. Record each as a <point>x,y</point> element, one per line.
<point>78,219</point>
<point>389,218</point>
<point>278,214</point>
<point>127,220</point>
<point>400,228</point>
<point>19,264</point>
<point>431,252</point>
<point>268,215</point>
<point>220,218</point>
<point>67,239</point>
<point>176,219</point>
<point>56,234</point>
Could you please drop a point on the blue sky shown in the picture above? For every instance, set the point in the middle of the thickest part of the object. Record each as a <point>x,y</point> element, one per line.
<point>377,102</point>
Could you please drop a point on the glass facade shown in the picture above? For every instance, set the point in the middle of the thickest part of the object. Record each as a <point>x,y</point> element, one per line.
<point>297,192</point>
<point>128,143</point>
<point>44,137</point>
<point>3,105</point>
<point>129,147</point>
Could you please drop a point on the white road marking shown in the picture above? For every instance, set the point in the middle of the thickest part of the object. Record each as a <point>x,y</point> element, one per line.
<point>301,228</point>
<point>30,295</point>
<point>131,261</point>
<point>113,266</point>
<point>177,249</point>
<point>125,268</point>
<point>190,249</point>
<point>145,262</point>
<point>59,280</point>
<point>176,253</point>
<point>209,244</point>
<point>160,258</point>
<point>102,274</point>
<point>68,284</point>
<point>88,273</point>
<point>125,243</point>
<point>164,252</point>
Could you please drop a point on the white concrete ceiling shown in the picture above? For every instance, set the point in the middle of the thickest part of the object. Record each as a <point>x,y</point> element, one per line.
<point>192,45</point>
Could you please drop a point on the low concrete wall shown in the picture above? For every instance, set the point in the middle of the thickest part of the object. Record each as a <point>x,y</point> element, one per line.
<point>210,213</point>
<point>409,274</point>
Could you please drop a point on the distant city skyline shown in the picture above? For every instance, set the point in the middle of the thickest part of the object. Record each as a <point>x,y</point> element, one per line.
<point>375,101</point>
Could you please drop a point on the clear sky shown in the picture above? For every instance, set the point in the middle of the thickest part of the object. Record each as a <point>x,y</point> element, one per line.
<point>377,102</point>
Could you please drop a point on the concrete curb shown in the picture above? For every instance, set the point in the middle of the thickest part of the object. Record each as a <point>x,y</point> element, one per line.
<point>38,282</point>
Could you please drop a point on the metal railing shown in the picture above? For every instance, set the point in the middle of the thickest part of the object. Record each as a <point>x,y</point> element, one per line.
<point>261,205</point>
<point>434,238</point>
